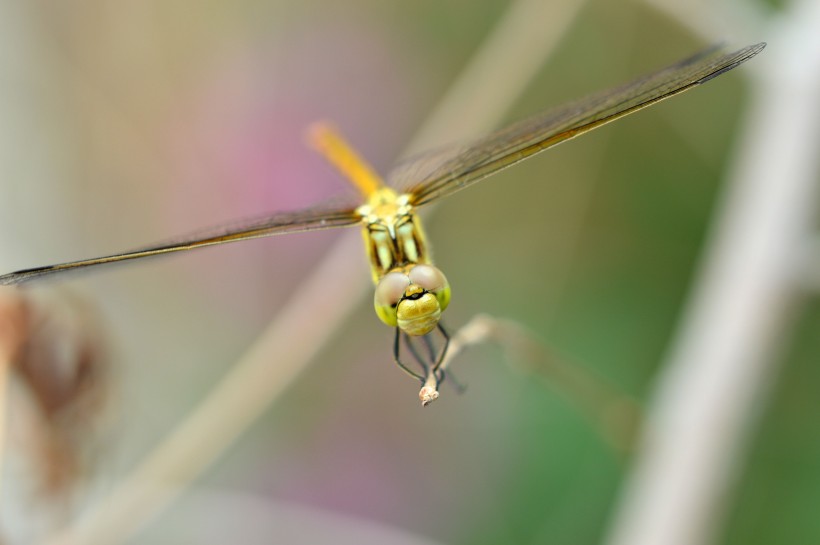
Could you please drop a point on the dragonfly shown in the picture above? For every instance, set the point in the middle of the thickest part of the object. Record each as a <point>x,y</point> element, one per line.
<point>411,293</point>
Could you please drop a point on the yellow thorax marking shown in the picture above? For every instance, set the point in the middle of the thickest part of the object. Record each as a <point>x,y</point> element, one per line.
<point>392,233</point>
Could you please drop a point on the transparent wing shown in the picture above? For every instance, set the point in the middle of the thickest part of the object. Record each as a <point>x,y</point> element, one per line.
<point>312,219</point>
<point>443,171</point>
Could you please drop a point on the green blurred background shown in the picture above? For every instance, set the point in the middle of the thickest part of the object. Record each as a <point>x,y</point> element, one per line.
<point>136,121</point>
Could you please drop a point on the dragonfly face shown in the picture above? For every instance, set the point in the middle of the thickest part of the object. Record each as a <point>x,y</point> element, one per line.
<point>411,293</point>
<point>412,298</point>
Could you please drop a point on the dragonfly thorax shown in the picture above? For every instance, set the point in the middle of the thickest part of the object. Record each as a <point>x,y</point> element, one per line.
<point>393,235</point>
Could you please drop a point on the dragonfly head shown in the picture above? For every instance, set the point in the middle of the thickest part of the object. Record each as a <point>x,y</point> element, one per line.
<point>412,299</point>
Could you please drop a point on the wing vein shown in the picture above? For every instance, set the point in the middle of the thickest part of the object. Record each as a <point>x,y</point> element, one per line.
<point>313,219</point>
<point>443,171</point>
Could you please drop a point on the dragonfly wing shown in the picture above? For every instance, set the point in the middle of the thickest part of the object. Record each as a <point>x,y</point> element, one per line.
<point>312,219</point>
<point>438,173</point>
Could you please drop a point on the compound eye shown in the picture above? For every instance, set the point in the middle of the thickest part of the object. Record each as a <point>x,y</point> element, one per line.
<point>433,280</point>
<point>428,277</point>
<point>388,294</point>
<point>391,289</point>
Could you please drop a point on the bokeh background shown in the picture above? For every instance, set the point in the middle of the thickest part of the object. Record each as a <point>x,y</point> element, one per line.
<point>129,122</point>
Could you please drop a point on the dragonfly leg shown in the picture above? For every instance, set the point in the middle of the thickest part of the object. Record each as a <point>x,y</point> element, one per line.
<point>431,350</point>
<point>438,374</point>
<point>443,352</point>
<point>438,368</point>
<point>458,386</point>
<point>411,345</point>
<point>397,357</point>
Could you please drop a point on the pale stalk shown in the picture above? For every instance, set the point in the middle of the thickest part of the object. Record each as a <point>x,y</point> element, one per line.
<point>723,358</point>
<point>523,39</point>
<point>810,274</point>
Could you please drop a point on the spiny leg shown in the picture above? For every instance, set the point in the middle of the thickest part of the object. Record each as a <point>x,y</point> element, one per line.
<point>397,358</point>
